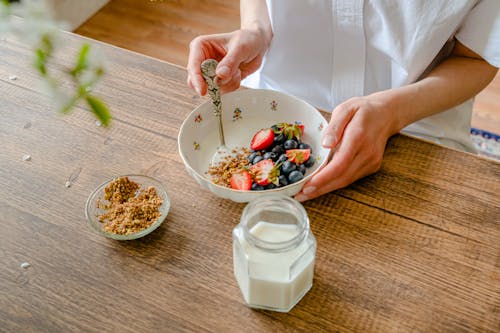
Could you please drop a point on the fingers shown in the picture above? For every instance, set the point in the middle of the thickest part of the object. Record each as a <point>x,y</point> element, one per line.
<point>232,84</point>
<point>341,116</point>
<point>366,161</point>
<point>238,54</point>
<point>359,170</point>
<point>356,157</point>
<point>337,173</point>
<point>196,57</point>
<point>359,132</point>
<point>200,49</point>
<point>340,171</point>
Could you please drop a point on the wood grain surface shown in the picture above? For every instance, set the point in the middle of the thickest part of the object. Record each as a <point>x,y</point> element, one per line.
<point>413,248</point>
<point>161,29</point>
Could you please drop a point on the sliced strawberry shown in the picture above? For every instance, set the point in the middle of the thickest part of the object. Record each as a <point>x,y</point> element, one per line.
<point>298,156</point>
<point>241,180</point>
<point>265,172</point>
<point>262,139</point>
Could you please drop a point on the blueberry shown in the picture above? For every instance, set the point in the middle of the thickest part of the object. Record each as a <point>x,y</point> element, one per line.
<point>295,176</point>
<point>302,168</point>
<point>310,162</point>
<point>252,156</point>
<point>270,156</point>
<point>288,167</point>
<point>257,159</point>
<point>283,180</point>
<point>270,186</point>
<point>279,139</point>
<point>283,158</point>
<point>290,144</point>
<point>278,150</point>
<point>303,145</point>
<point>257,187</point>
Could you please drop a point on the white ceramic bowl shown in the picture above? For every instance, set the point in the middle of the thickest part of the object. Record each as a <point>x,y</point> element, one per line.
<point>244,112</point>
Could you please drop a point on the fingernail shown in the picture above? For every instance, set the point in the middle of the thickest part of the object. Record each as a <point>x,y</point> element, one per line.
<point>301,197</point>
<point>308,190</point>
<point>328,140</point>
<point>223,71</point>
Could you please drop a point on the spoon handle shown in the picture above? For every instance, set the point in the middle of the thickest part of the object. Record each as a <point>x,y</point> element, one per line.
<point>208,71</point>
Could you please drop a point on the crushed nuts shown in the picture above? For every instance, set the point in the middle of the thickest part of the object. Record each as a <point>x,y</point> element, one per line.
<point>128,210</point>
<point>221,172</point>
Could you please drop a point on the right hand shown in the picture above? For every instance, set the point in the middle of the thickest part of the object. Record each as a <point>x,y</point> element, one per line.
<point>239,54</point>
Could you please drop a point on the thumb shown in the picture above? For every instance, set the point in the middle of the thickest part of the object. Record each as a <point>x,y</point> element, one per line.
<point>333,133</point>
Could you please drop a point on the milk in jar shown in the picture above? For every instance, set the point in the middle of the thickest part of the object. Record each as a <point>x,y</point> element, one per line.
<point>273,253</point>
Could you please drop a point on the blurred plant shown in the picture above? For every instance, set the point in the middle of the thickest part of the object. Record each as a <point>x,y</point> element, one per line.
<point>42,32</point>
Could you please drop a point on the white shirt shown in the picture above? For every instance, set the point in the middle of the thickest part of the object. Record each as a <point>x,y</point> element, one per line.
<point>326,51</point>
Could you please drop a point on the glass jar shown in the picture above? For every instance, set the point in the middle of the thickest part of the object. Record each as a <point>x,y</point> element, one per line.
<point>273,253</point>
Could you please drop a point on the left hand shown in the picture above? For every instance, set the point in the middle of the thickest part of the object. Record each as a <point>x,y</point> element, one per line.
<point>358,132</point>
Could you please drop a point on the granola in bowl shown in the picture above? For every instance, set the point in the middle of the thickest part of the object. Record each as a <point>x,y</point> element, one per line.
<point>127,207</point>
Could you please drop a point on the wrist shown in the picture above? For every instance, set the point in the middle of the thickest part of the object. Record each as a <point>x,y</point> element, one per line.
<point>262,31</point>
<point>254,17</point>
<point>391,105</point>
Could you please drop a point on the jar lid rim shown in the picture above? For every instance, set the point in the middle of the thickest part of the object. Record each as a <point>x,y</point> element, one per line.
<point>282,245</point>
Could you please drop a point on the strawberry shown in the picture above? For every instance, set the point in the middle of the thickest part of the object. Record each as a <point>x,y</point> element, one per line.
<point>241,180</point>
<point>298,156</point>
<point>262,139</point>
<point>290,131</point>
<point>265,172</point>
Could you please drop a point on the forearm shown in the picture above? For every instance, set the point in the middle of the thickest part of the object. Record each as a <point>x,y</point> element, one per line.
<point>457,79</point>
<point>254,16</point>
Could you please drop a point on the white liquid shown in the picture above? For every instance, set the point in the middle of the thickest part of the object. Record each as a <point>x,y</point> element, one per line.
<point>277,280</point>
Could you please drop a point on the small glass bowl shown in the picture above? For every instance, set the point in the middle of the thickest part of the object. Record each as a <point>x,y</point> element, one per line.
<point>92,211</point>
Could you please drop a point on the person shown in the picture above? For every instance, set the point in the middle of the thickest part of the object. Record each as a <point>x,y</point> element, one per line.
<point>382,67</point>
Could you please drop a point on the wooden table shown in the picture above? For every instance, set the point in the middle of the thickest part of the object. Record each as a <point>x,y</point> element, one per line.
<point>413,248</point>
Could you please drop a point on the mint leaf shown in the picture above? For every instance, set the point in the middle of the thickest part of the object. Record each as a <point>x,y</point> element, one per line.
<point>82,61</point>
<point>100,110</point>
<point>40,61</point>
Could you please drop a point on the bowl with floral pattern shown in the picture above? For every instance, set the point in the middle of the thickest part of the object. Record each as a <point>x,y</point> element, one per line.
<point>246,114</point>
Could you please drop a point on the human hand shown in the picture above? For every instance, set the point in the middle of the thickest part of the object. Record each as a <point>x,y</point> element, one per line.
<point>358,132</point>
<point>239,54</point>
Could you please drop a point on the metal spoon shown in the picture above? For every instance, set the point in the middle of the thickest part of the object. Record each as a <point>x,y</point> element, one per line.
<point>208,71</point>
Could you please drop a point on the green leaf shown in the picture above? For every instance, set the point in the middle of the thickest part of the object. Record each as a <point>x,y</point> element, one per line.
<point>82,61</point>
<point>100,110</point>
<point>40,61</point>
<point>47,45</point>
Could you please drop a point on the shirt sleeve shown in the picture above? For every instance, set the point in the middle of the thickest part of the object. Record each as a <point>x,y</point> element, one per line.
<point>480,31</point>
